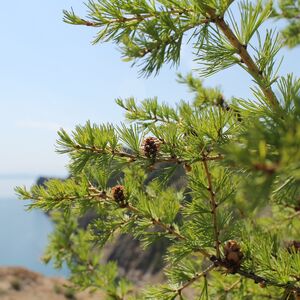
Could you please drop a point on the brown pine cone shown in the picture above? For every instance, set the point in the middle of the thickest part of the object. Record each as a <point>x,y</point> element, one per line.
<point>233,256</point>
<point>119,195</point>
<point>151,147</point>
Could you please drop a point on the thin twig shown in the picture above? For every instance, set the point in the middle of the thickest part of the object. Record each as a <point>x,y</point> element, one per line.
<point>253,69</point>
<point>213,208</point>
<point>141,17</point>
<point>197,276</point>
<point>133,158</point>
<point>231,287</point>
<point>260,279</point>
<point>292,216</point>
<point>170,229</point>
<point>257,278</point>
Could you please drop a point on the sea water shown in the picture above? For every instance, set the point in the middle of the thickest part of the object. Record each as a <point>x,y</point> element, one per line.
<point>23,234</point>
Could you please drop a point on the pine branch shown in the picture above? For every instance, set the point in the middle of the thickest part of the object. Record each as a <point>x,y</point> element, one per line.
<point>71,18</point>
<point>214,206</point>
<point>257,278</point>
<point>291,217</point>
<point>262,280</point>
<point>94,149</point>
<point>168,228</point>
<point>195,278</point>
<point>245,57</point>
<point>133,158</point>
<point>232,286</point>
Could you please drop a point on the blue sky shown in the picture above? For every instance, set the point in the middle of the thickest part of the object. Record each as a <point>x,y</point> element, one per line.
<point>51,77</point>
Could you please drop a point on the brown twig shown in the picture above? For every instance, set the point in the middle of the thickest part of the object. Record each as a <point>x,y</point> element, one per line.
<point>133,157</point>
<point>260,279</point>
<point>168,228</point>
<point>231,287</point>
<point>197,276</point>
<point>141,17</point>
<point>289,218</point>
<point>253,69</point>
<point>214,206</point>
<point>257,278</point>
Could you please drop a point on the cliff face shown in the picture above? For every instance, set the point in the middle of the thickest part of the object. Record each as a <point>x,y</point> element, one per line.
<point>135,263</point>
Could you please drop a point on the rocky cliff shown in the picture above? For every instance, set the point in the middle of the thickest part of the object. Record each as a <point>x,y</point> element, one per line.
<point>22,284</point>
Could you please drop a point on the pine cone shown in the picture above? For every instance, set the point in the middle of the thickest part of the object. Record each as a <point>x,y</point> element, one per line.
<point>118,195</point>
<point>151,147</point>
<point>233,256</point>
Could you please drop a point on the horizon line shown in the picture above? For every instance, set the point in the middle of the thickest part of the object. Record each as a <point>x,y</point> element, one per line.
<point>4,176</point>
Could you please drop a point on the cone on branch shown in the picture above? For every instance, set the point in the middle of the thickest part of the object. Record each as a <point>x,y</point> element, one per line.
<point>233,256</point>
<point>118,194</point>
<point>150,147</point>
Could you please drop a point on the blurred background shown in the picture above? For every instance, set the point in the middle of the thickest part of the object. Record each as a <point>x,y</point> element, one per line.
<point>51,77</point>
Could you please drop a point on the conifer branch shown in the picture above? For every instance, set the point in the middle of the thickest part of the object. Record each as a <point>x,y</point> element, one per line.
<point>168,228</point>
<point>195,278</point>
<point>136,17</point>
<point>135,210</point>
<point>257,278</point>
<point>248,61</point>
<point>214,206</point>
<point>291,217</point>
<point>265,281</point>
<point>133,158</point>
<point>94,149</point>
<point>245,57</point>
<point>232,286</point>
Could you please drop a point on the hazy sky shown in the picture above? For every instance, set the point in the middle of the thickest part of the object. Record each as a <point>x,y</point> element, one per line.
<point>51,77</point>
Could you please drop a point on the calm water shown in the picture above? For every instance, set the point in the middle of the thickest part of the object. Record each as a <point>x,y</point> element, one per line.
<point>23,234</point>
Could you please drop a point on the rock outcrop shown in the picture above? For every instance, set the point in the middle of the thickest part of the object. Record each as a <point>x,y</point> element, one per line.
<point>21,284</point>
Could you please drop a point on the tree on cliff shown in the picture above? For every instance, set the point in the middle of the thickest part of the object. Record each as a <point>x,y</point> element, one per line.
<point>233,227</point>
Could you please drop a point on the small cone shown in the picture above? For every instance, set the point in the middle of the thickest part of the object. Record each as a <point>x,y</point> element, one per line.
<point>118,194</point>
<point>233,256</point>
<point>151,147</point>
